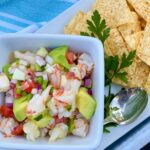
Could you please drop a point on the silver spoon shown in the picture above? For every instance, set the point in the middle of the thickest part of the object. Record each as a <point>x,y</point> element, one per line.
<point>127,105</point>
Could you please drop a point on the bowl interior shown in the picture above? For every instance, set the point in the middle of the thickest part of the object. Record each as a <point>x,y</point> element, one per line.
<point>11,42</point>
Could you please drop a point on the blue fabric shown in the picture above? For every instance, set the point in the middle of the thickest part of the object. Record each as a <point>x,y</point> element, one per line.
<point>31,11</point>
<point>35,10</point>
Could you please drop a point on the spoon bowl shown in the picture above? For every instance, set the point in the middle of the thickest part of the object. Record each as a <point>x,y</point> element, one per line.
<point>127,105</point>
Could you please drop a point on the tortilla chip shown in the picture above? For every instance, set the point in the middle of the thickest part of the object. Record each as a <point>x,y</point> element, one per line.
<point>130,7</point>
<point>137,75</point>
<point>143,50</point>
<point>133,40</point>
<point>142,23</point>
<point>116,43</point>
<point>115,12</point>
<point>107,49</point>
<point>147,85</point>
<point>130,28</point>
<point>70,27</point>
<point>142,7</point>
<point>140,74</point>
<point>82,25</point>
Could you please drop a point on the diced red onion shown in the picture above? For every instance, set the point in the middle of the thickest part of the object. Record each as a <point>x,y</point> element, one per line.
<point>9,99</point>
<point>90,92</point>
<point>10,105</point>
<point>40,61</point>
<point>12,85</point>
<point>88,83</point>
<point>39,87</point>
<point>10,93</point>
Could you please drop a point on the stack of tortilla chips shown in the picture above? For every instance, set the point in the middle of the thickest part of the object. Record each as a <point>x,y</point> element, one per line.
<point>129,21</point>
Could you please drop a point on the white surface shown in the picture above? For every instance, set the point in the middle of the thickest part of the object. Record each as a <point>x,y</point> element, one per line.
<point>11,42</point>
<point>56,26</point>
<point>137,143</point>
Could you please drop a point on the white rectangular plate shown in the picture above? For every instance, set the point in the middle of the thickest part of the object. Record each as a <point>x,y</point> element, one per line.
<point>56,26</point>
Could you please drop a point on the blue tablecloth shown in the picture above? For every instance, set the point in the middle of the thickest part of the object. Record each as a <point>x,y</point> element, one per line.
<point>15,15</point>
<point>30,15</point>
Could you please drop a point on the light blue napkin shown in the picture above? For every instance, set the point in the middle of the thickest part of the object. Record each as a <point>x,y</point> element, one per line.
<point>16,15</point>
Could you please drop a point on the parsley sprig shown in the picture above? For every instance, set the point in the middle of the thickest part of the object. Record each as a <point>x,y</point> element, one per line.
<point>114,66</point>
<point>97,27</point>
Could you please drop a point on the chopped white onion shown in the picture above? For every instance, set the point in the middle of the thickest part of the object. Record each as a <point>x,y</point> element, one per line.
<point>40,61</point>
<point>49,68</point>
<point>23,62</point>
<point>49,60</point>
<point>22,67</point>
<point>34,91</point>
<point>37,74</point>
<point>11,70</point>
<point>14,81</point>
<point>9,99</point>
<point>45,76</point>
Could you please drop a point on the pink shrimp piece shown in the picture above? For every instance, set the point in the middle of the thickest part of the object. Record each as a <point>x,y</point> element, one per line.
<point>55,77</point>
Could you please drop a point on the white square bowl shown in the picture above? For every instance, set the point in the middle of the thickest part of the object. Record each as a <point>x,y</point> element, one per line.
<point>92,46</point>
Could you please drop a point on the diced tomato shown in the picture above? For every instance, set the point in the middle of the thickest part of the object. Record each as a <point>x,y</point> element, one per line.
<point>6,111</point>
<point>57,121</point>
<point>18,130</point>
<point>27,86</point>
<point>70,75</point>
<point>15,94</point>
<point>24,85</point>
<point>70,57</point>
<point>62,120</point>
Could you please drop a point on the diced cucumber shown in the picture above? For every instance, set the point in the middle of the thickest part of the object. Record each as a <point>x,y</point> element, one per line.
<point>39,79</point>
<point>44,84</point>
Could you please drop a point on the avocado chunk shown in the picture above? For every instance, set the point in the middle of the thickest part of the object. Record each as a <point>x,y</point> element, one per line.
<point>42,120</point>
<point>19,107</point>
<point>42,52</point>
<point>59,56</point>
<point>86,104</point>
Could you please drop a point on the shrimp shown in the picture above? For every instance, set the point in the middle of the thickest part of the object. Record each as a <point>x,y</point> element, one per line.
<point>38,102</point>
<point>31,131</point>
<point>86,61</point>
<point>81,128</point>
<point>4,83</point>
<point>7,125</point>
<point>58,132</point>
<point>55,76</point>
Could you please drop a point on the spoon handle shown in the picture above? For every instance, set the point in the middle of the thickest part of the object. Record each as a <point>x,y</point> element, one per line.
<point>108,120</point>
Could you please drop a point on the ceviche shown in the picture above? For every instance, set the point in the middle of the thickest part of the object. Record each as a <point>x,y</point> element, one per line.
<point>47,93</point>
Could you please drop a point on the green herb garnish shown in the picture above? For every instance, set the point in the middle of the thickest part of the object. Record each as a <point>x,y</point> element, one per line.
<point>114,66</point>
<point>97,27</point>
